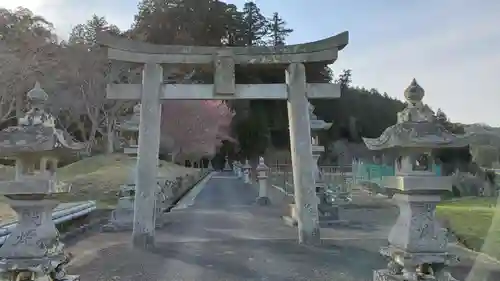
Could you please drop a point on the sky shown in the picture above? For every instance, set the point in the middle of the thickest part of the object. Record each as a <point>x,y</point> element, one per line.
<point>452,47</point>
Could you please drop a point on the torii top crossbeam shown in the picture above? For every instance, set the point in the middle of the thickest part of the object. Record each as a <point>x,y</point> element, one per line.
<point>123,49</point>
<point>223,59</point>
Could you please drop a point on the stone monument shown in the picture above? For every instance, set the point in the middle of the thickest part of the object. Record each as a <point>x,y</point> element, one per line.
<point>417,243</point>
<point>33,250</point>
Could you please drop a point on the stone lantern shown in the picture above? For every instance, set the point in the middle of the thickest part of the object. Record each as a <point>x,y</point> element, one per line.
<point>226,164</point>
<point>246,172</point>
<point>122,217</point>
<point>129,129</point>
<point>239,170</point>
<point>262,175</point>
<point>328,206</point>
<point>33,250</point>
<point>317,125</point>
<point>417,243</point>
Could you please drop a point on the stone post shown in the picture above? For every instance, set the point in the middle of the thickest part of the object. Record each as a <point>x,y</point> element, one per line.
<point>262,175</point>
<point>302,160</point>
<point>149,144</point>
<point>246,172</point>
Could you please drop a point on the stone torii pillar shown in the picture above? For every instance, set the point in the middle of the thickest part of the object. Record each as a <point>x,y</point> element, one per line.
<point>296,91</point>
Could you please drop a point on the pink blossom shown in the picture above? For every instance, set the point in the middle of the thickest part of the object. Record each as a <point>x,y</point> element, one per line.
<point>193,127</point>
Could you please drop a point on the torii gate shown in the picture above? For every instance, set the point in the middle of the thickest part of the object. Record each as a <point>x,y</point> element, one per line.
<point>153,90</point>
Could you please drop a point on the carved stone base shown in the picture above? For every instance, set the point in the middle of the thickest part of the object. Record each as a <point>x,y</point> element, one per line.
<point>122,218</point>
<point>29,276</point>
<point>263,201</point>
<point>329,215</point>
<point>33,248</point>
<point>46,268</point>
<point>385,275</point>
<point>415,259</point>
<point>327,212</point>
<point>35,235</point>
<point>417,230</point>
<point>416,266</point>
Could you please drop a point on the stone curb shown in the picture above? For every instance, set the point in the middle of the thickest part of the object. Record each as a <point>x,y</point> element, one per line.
<point>184,193</point>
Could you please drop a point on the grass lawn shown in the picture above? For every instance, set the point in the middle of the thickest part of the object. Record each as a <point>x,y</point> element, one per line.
<point>475,222</point>
<point>96,178</point>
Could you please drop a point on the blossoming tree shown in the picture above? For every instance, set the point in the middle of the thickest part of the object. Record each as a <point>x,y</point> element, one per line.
<point>194,129</point>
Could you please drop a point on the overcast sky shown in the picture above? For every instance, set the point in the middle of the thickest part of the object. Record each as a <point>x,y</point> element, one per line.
<point>452,47</point>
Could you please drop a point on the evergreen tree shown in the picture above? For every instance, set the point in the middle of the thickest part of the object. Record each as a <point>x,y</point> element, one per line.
<point>86,33</point>
<point>441,117</point>
<point>344,79</point>
<point>255,24</point>
<point>277,30</point>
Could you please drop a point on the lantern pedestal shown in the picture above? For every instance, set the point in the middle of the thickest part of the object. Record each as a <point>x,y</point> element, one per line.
<point>417,242</point>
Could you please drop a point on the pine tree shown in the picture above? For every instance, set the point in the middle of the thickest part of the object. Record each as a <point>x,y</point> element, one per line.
<point>86,33</point>
<point>441,117</point>
<point>344,79</point>
<point>255,24</point>
<point>278,31</point>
